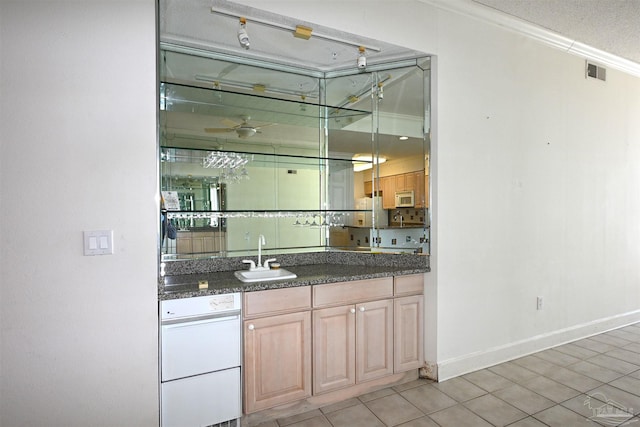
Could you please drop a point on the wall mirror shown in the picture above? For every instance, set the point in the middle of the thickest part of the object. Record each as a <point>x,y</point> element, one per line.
<point>325,156</point>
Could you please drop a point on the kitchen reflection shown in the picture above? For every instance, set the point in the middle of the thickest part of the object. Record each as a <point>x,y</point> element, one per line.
<point>186,192</point>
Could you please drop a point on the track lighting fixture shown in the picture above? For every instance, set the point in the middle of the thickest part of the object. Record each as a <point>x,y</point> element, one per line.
<point>362,59</point>
<point>243,37</point>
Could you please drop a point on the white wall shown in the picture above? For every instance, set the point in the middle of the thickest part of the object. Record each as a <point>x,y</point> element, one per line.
<point>78,147</point>
<point>535,184</point>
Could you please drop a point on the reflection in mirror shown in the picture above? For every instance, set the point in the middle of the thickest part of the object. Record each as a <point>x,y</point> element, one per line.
<point>249,150</point>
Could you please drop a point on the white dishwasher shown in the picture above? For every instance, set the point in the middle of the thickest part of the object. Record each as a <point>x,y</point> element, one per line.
<point>200,361</point>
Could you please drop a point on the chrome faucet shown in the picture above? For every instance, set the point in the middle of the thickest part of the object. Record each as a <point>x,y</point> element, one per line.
<point>395,218</point>
<point>252,265</point>
<point>261,242</point>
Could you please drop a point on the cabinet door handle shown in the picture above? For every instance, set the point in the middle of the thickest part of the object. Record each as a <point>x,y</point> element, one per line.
<point>353,310</point>
<point>251,327</point>
<point>361,309</point>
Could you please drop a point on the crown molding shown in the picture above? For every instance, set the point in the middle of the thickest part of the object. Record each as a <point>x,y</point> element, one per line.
<point>492,16</point>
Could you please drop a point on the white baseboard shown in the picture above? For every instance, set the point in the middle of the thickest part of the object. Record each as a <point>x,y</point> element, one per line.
<point>457,366</point>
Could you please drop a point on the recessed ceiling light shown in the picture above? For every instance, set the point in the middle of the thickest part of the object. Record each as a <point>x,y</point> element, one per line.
<point>403,138</point>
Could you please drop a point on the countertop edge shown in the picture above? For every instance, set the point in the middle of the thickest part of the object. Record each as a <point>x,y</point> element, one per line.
<point>226,282</point>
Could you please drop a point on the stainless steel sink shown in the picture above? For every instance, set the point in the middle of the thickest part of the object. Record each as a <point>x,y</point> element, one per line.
<point>264,275</point>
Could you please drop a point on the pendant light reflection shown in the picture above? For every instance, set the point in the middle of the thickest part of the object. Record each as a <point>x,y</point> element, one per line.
<point>363,162</point>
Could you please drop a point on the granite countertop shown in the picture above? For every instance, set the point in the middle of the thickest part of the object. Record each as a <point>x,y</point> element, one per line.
<point>186,285</point>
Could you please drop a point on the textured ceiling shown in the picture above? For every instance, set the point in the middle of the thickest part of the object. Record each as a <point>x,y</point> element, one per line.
<point>612,26</point>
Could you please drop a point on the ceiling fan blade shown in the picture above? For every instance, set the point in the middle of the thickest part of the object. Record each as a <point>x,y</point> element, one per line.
<point>218,130</point>
<point>266,125</point>
<point>230,123</point>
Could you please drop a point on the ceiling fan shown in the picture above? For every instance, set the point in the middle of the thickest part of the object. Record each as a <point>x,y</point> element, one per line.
<point>244,129</point>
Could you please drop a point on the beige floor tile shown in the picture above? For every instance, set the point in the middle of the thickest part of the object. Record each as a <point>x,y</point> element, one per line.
<point>420,422</point>
<point>496,411</point>
<point>624,400</point>
<point>318,421</point>
<point>524,399</point>
<point>460,389</point>
<point>376,394</point>
<point>576,351</point>
<point>412,384</point>
<point>458,416</point>
<point>634,329</point>
<point>635,347</point>
<point>268,424</point>
<point>354,416</point>
<point>628,384</point>
<point>635,374</point>
<point>488,380</point>
<point>551,389</point>
<point>590,407</point>
<point>528,422</point>
<point>596,346</point>
<point>513,372</point>
<point>536,364</point>
<point>625,335</point>
<point>340,405</point>
<point>394,410</point>
<point>613,363</point>
<point>428,399</point>
<point>299,417</point>
<point>557,357</point>
<point>626,355</point>
<point>608,339</point>
<point>574,380</point>
<point>594,371</point>
<point>559,416</point>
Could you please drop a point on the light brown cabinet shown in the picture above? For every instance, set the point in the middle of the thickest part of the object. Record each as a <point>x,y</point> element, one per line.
<point>201,241</point>
<point>277,348</point>
<point>388,186</point>
<point>374,340</point>
<point>334,348</point>
<point>408,322</point>
<point>314,340</point>
<point>408,331</point>
<point>411,181</point>
<point>352,344</point>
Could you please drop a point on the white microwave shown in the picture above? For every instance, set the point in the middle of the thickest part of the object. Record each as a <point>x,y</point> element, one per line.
<point>405,199</point>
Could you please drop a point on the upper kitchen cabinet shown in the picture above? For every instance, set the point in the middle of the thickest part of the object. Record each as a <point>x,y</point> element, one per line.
<point>278,137</point>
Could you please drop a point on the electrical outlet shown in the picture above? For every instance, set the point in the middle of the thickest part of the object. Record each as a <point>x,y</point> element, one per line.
<point>539,303</point>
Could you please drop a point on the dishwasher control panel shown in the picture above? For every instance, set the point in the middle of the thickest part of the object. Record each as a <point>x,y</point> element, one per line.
<point>199,306</point>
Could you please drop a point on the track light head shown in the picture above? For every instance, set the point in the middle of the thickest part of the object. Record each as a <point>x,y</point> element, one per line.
<point>243,37</point>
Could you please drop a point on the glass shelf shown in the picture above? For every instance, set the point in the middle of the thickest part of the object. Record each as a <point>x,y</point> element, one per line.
<point>258,109</point>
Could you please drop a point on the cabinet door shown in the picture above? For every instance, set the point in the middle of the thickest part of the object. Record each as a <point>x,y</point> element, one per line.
<point>183,243</point>
<point>419,189</point>
<point>374,339</point>
<point>426,191</point>
<point>410,181</point>
<point>388,186</point>
<point>408,340</point>
<point>277,360</point>
<point>334,352</point>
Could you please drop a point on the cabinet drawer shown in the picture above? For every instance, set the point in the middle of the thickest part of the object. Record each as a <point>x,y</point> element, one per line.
<point>411,284</point>
<point>276,301</point>
<point>352,292</point>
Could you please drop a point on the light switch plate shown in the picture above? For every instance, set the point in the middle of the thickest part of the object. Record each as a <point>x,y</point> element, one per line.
<point>98,242</point>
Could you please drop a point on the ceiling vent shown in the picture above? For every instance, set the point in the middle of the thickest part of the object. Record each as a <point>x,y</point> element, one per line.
<point>595,71</point>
